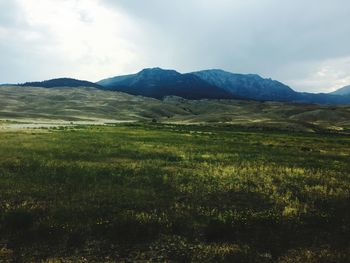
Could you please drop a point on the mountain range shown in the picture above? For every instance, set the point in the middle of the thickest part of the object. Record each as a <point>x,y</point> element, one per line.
<point>159,83</point>
<point>207,84</point>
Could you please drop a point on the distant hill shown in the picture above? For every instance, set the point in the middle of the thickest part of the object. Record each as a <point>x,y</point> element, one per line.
<point>322,98</point>
<point>159,83</point>
<point>213,84</point>
<point>61,82</point>
<point>343,91</point>
<point>207,84</point>
<point>25,104</point>
<point>251,86</point>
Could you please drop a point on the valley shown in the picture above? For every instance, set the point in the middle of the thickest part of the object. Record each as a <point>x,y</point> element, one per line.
<point>90,105</point>
<point>174,131</point>
<point>93,175</point>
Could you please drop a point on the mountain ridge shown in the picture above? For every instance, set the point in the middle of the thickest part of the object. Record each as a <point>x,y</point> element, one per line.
<point>250,86</point>
<point>159,83</point>
<point>242,86</point>
<point>344,91</point>
<point>60,82</point>
<point>253,86</point>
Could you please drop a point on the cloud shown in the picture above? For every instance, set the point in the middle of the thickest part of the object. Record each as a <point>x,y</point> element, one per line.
<point>302,43</point>
<point>321,76</point>
<point>77,38</point>
<point>269,37</point>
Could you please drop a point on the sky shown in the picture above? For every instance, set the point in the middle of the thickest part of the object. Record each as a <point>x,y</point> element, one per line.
<point>302,43</point>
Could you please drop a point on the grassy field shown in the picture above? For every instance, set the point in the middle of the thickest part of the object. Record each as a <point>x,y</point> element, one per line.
<point>40,105</point>
<point>138,192</point>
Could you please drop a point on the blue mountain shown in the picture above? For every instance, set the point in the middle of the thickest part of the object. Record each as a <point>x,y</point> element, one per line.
<point>345,91</point>
<point>61,82</point>
<point>213,84</point>
<point>251,86</point>
<point>159,83</point>
<point>207,84</point>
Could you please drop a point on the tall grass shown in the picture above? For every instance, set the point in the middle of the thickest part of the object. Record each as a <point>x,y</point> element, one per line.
<point>181,193</point>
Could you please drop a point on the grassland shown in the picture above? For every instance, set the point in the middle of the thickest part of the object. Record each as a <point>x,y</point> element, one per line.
<point>52,106</point>
<point>156,192</point>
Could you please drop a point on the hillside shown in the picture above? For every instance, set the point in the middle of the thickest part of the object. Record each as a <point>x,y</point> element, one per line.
<point>61,82</point>
<point>213,84</point>
<point>159,83</point>
<point>207,84</point>
<point>251,86</point>
<point>345,91</point>
<point>27,104</point>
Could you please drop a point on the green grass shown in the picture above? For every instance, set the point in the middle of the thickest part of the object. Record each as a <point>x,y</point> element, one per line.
<point>40,105</point>
<point>179,193</point>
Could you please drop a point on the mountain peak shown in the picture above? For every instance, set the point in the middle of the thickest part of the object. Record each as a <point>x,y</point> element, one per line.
<point>159,83</point>
<point>154,69</point>
<point>158,71</point>
<point>212,84</point>
<point>342,91</point>
<point>221,71</point>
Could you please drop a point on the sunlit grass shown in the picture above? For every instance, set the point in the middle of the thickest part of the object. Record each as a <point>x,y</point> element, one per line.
<point>185,193</point>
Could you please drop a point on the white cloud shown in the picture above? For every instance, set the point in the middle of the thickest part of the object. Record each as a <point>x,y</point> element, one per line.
<point>78,38</point>
<point>285,40</point>
<point>323,76</point>
<point>301,43</point>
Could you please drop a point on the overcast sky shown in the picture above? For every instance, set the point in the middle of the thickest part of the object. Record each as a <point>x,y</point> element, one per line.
<point>303,43</point>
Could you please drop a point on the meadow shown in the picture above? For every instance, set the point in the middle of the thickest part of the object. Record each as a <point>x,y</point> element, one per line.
<point>150,192</point>
<point>88,105</point>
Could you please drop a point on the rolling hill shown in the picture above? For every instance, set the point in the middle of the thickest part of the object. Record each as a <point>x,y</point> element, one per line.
<point>41,105</point>
<point>61,82</point>
<point>207,84</point>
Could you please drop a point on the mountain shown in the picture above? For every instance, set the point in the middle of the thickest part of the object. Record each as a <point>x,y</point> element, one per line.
<point>343,91</point>
<point>213,84</point>
<point>249,86</point>
<point>159,83</point>
<point>322,98</point>
<point>61,82</point>
<point>207,84</point>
